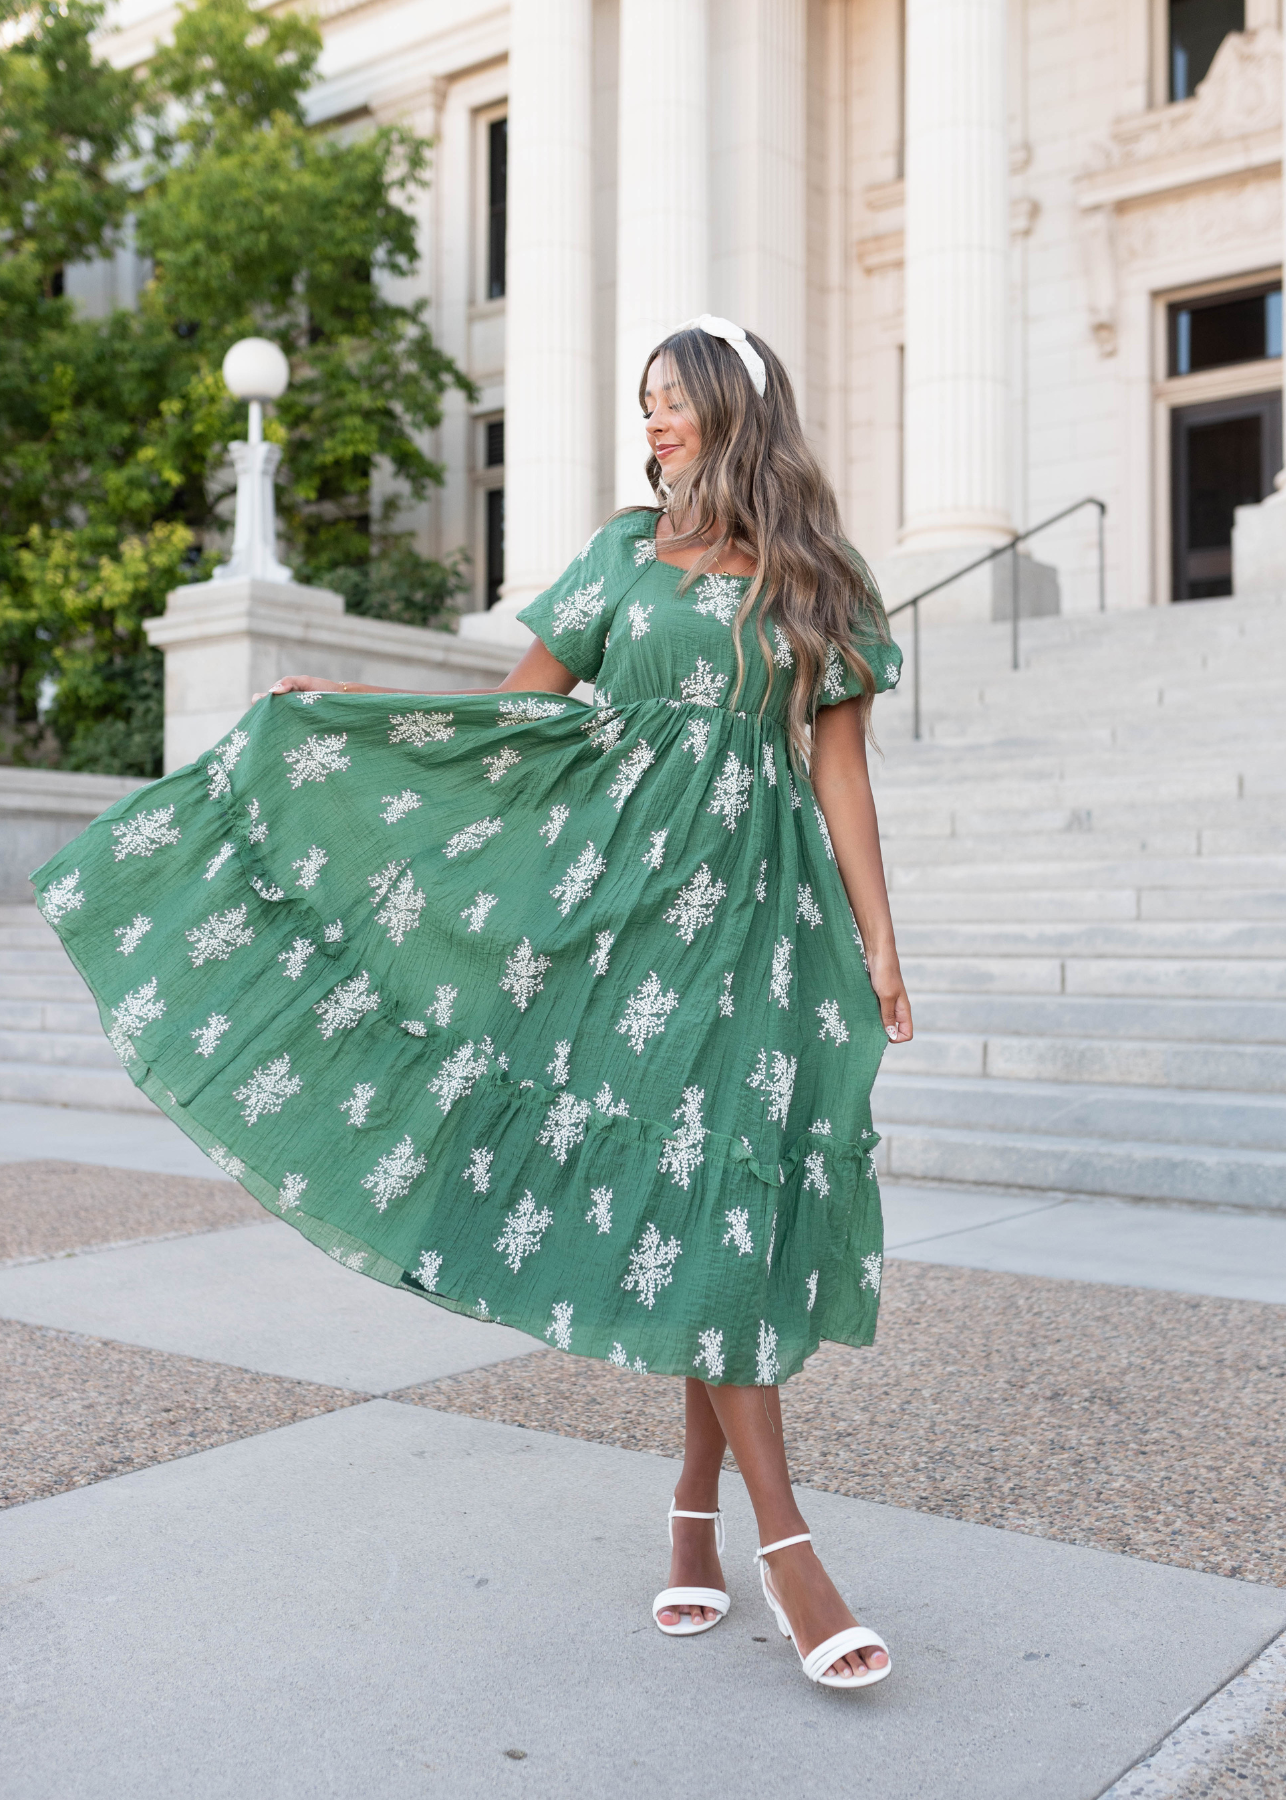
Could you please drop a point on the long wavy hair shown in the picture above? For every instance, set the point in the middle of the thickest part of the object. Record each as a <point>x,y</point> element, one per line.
<point>755,485</point>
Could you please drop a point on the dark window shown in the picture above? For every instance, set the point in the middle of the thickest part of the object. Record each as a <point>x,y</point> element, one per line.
<point>497,191</point>
<point>1228,328</point>
<point>1224,454</point>
<point>495,443</point>
<point>495,543</point>
<point>1197,28</point>
<point>57,285</point>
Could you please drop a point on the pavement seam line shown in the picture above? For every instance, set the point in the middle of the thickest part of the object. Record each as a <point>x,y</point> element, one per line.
<point>982,1225</point>
<point>159,1237</point>
<point>1231,1714</point>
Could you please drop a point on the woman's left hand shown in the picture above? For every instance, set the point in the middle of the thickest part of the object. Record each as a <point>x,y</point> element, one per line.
<point>890,991</point>
<point>303,684</point>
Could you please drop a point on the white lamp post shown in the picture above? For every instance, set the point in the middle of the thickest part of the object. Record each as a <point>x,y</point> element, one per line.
<point>255,370</point>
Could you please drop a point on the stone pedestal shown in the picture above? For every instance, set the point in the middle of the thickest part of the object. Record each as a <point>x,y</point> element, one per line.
<point>985,594</point>
<point>1259,547</point>
<point>225,641</point>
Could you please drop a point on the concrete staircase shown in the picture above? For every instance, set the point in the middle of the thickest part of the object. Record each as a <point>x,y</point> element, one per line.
<point>1087,864</point>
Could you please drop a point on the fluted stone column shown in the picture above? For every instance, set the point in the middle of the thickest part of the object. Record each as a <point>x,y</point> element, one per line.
<point>662,201</point>
<point>549,417</point>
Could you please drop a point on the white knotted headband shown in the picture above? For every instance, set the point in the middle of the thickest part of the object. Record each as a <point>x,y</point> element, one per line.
<point>732,334</point>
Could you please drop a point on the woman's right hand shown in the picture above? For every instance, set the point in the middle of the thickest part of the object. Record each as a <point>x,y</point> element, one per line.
<point>303,684</point>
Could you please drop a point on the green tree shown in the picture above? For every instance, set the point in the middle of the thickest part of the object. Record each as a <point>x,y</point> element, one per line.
<point>114,478</point>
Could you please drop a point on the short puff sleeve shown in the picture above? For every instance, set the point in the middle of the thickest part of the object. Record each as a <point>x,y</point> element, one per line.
<point>881,656</point>
<point>572,619</point>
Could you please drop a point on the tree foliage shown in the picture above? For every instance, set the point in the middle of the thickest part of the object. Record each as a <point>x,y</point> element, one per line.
<point>114,478</point>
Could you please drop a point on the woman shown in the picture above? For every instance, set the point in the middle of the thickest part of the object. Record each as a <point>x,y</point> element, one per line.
<point>557,1013</point>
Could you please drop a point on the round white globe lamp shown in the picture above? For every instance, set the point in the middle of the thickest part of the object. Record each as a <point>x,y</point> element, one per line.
<point>255,370</point>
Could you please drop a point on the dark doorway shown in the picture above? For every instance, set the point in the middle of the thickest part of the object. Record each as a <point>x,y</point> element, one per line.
<point>1222,455</point>
<point>495,543</point>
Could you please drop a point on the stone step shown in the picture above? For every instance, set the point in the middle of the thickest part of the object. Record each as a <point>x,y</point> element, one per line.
<point>1186,873</point>
<point>1123,1169</point>
<point>73,1050</point>
<point>1133,1062</point>
<point>1077,905</point>
<point>37,936</point>
<point>64,986</point>
<point>1167,1019</point>
<point>1136,938</point>
<point>50,1015</point>
<point>1216,978</point>
<point>53,1084</point>
<point>1165,1116</point>
<point>50,961</point>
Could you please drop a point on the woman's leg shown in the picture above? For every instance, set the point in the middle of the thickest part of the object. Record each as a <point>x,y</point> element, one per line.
<point>694,1561</point>
<point>750,1420</point>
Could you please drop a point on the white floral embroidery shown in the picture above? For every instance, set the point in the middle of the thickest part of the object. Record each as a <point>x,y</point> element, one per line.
<point>481,1310</point>
<point>132,935</point>
<point>630,771</point>
<point>651,1265</point>
<point>268,1089</point>
<point>703,687</point>
<point>654,855</point>
<point>559,1070</point>
<point>618,1356</point>
<point>478,908</point>
<point>696,738</point>
<point>821,1127</point>
<point>415,1028</point>
<point>795,801</point>
<point>291,1191</point>
<point>207,1036</point>
<point>358,1105</point>
<point>601,953</point>
<point>296,958</point>
<point>396,806</point>
<point>558,817</point>
<point>710,1353</point>
<point>726,1005</point>
<point>836,672</point>
<point>310,867</point>
<point>429,1270</point>
<point>444,999</point>
<point>524,975</point>
<point>779,981</point>
<point>761,886</point>
<point>225,759</point>
<point>217,937</point>
<point>781,651</point>
<point>145,833</point>
<point>613,1109</point>
<point>334,933</point>
<point>455,1079</point>
<point>832,1025</point>
<point>564,1126</point>
<point>560,1326</point>
<point>579,609</point>
<point>772,1230</point>
<point>62,896</point>
<point>528,711</point>
<point>600,1213</point>
<point>861,947</point>
<point>523,1229</point>
<point>646,1011</point>
<point>478,1169</point>
<point>421,728</point>
<point>605,726</point>
<point>728,799</point>
<point>892,673</point>
<point>695,903</point>
<point>355,1259</point>
<point>683,1154</point>
<point>872,1267</point>
<point>768,763</point>
<point>825,831</point>
<point>578,882</point>
<point>815,1177</point>
<point>473,837</point>
<point>738,1235</point>
<point>267,890</point>
<point>639,616</point>
<point>139,1008</point>
<point>316,758</point>
<point>402,908</point>
<point>767,1368</point>
<point>258,831</point>
<point>806,907</point>
<point>217,861</point>
<point>224,1159</point>
<point>719,595</point>
<point>393,1174</point>
<point>309,696</point>
<point>644,552</point>
<point>501,763</point>
<point>345,1006</point>
<point>776,1083</point>
<point>382,882</point>
<point>812,1290</point>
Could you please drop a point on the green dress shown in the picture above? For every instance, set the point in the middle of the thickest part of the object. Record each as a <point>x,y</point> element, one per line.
<point>552,1013</point>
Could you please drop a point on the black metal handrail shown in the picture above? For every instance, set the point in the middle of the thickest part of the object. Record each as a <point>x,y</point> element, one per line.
<point>1009,549</point>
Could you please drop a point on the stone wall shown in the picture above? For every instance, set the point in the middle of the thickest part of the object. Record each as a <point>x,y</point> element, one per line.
<point>43,809</point>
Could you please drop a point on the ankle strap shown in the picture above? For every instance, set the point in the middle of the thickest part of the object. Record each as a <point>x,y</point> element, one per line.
<point>805,1537</point>
<point>675,1513</point>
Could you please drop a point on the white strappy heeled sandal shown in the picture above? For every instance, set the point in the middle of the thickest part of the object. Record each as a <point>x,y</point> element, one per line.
<point>669,1599</point>
<point>853,1637</point>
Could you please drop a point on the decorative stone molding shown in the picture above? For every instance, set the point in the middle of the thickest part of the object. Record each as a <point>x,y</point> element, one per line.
<point>1238,213</point>
<point>884,250</point>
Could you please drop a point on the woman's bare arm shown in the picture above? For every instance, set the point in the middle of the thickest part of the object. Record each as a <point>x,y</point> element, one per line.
<point>539,671</point>
<point>842,784</point>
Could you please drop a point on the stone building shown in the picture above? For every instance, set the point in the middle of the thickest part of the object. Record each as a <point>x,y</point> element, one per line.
<point>1014,252</point>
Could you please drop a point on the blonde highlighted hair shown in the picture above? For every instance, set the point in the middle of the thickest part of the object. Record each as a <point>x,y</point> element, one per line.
<point>754,485</point>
